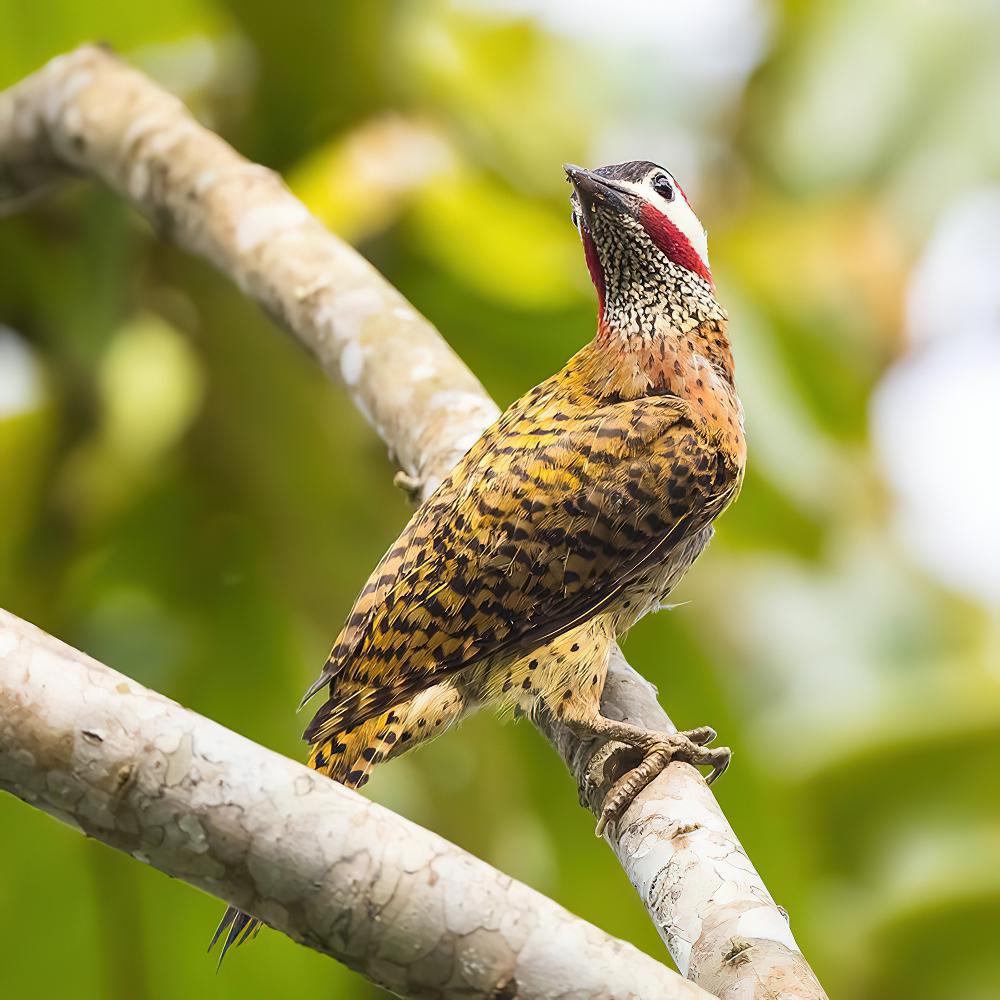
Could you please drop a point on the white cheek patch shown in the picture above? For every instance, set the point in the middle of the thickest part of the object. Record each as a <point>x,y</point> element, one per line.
<point>678,212</point>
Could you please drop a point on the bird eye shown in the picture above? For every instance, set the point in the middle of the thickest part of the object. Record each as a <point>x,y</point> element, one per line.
<point>574,218</point>
<point>663,187</point>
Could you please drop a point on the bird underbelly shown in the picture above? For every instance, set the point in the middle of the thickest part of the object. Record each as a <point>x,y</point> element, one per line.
<point>567,674</point>
<point>565,670</point>
<point>648,592</point>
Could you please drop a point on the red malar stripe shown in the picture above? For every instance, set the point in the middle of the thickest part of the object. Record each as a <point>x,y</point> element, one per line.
<point>594,266</point>
<point>672,242</point>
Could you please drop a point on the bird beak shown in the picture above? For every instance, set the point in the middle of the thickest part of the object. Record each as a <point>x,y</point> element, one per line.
<point>593,191</point>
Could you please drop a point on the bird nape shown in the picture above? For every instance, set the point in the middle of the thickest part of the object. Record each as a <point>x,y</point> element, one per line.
<point>573,516</point>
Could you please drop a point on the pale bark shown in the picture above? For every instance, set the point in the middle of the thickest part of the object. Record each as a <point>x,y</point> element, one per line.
<point>343,875</point>
<point>89,113</point>
<point>706,899</point>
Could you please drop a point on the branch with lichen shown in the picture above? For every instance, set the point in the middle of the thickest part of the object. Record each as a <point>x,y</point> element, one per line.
<point>88,113</point>
<point>332,870</point>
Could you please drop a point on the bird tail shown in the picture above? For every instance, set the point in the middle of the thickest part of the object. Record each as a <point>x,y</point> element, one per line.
<point>347,757</point>
<point>241,926</point>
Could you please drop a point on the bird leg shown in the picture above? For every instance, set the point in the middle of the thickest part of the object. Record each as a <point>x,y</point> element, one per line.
<point>638,756</point>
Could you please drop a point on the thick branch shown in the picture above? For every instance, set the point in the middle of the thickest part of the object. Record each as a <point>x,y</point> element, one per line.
<point>88,113</point>
<point>331,869</point>
<point>705,897</point>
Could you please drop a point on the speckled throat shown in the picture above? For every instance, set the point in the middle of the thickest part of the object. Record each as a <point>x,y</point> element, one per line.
<point>662,332</point>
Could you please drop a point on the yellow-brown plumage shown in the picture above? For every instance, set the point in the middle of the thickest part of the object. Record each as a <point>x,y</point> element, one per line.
<point>561,512</point>
<point>568,520</point>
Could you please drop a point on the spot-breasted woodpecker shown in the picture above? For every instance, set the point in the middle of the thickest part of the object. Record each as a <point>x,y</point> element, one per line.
<point>573,516</point>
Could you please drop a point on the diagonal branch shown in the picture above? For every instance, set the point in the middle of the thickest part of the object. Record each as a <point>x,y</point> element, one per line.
<point>88,113</point>
<point>341,874</point>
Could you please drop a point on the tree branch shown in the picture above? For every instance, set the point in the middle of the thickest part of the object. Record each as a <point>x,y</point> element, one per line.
<point>86,112</point>
<point>316,860</point>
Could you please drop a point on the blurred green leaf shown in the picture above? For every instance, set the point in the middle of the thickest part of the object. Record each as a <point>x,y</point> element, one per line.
<point>189,499</point>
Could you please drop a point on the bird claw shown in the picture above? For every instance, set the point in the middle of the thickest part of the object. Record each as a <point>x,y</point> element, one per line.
<point>690,747</point>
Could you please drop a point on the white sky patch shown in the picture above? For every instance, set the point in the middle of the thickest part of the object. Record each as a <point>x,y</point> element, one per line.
<point>20,376</point>
<point>716,41</point>
<point>956,285</point>
<point>935,422</point>
<point>936,415</point>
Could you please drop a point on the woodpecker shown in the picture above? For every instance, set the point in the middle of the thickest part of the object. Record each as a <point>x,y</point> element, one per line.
<point>574,515</point>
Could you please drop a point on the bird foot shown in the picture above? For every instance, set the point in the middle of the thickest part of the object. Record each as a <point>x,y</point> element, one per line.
<point>635,767</point>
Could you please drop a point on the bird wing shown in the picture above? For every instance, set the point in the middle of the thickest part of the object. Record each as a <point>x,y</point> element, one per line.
<point>546,520</point>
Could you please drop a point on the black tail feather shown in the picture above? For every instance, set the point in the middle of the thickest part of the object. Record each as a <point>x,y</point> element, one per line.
<point>241,927</point>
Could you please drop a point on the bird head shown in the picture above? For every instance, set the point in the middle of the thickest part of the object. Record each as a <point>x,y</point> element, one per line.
<point>642,240</point>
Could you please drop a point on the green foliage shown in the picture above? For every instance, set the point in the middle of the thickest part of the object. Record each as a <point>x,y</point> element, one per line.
<point>184,496</point>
